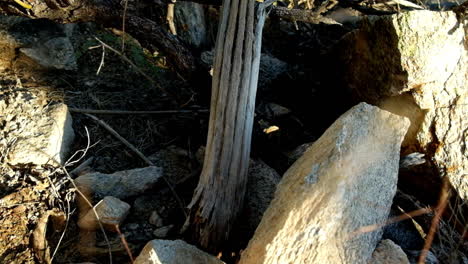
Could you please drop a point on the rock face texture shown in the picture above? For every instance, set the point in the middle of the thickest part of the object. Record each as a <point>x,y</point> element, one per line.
<point>415,64</point>
<point>121,184</point>
<point>33,131</point>
<point>327,201</point>
<point>173,252</point>
<point>387,252</point>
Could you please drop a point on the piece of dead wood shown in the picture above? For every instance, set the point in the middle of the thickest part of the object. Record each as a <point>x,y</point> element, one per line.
<point>123,112</point>
<point>170,17</point>
<point>445,194</point>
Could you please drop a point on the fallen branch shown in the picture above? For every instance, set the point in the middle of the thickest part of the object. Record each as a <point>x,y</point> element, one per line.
<point>123,112</point>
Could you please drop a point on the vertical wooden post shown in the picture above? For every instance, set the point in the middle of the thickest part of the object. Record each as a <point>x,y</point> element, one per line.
<point>219,196</point>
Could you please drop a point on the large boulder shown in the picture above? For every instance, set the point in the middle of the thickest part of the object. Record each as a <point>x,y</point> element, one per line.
<point>173,252</point>
<point>34,130</point>
<point>329,205</point>
<point>415,64</point>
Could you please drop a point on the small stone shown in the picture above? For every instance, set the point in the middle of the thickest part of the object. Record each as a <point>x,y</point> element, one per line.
<point>174,252</point>
<point>278,110</point>
<point>162,232</point>
<point>111,212</point>
<point>155,219</point>
<point>387,252</point>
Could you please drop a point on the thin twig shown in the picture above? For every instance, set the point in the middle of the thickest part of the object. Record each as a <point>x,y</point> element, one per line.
<point>136,151</point>
<point>124,242</point>
<point>119,137</point>
<point>64,230</point>
<point>71,162</point>
<point>442,204</point>
<point>80,167</point>
<point>101,64</point>
<point>124,16</point>
<point>370,228</point>
<point>123,112</point>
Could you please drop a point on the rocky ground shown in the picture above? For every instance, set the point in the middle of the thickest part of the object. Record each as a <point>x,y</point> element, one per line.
<point>101,145</point>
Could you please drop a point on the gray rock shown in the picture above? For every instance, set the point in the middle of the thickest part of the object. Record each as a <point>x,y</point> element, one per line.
<point>327,202</point>
<point>261,186</point>
<point>387,252</point>
<point>191,23</point>
<point>163,232</point>
<point>33,131</point>
<point>296,153</point>
<point>43,42</point>
<point>173,252</point>
<point>56,53</point>
<point>270,67</point>
<point>414,64</point>
<point>111,212</point>
<point>155,219</point>
<point>121,184</point>
<point>272,110</point>
<point>413,256</point>
<point>174,161</point>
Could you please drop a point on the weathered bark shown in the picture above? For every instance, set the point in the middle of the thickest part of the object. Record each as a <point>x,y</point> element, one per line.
<point>109,13</point>
<point>219,196</point>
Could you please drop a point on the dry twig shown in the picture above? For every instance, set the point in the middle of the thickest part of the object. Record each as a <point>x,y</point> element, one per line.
<point>442,204</point>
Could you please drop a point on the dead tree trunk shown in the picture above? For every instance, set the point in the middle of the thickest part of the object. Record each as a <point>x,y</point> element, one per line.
<point>219,195</point>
